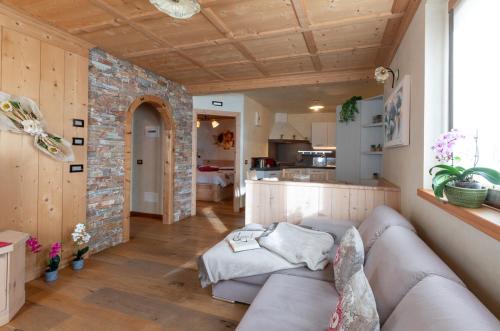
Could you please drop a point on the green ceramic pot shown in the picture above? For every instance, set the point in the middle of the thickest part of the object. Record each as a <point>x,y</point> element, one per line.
<point>465,197</point>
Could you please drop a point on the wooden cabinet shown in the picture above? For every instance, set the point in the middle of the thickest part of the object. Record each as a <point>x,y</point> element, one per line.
<point>323,134</point>
<point>287,201</point>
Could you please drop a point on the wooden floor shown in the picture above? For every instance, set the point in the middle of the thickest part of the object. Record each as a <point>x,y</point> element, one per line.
<point>149,283</point>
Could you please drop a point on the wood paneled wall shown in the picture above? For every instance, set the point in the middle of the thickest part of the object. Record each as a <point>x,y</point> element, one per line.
<point>39,195</point>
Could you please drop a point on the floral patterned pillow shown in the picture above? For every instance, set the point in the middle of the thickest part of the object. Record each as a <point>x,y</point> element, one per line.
<point>349,258</point>
<point>356,308</point>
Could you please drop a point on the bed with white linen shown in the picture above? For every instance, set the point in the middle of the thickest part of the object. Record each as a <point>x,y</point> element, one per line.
<point>215,185</point>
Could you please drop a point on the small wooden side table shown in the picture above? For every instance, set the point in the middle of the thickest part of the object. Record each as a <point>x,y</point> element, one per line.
<point>12,274</point>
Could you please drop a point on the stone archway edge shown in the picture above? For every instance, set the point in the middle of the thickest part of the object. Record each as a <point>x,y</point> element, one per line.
<point>168,151</point>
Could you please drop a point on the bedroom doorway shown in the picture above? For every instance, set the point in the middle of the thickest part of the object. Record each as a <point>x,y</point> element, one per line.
<point>216,157</point>
<point>154,118</point>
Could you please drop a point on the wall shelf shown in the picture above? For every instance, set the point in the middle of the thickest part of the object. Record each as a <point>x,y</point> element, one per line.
<point>373,153</point>
<point>373,125</point>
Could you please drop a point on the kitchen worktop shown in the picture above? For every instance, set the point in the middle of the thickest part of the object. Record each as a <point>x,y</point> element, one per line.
<point>292,167</point>
<point>380,184</point>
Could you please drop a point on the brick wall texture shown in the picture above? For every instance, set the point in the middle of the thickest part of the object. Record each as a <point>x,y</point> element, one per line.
<point>113,85</point>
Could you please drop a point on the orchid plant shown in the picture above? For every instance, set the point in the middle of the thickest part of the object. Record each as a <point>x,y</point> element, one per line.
<point>452,174</point>
<point>81,239</point>
<point>33,245</point>
<point>54,257</point>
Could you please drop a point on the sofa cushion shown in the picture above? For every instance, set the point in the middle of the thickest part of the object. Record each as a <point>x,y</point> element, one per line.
<point>378,221</point>
<point>288,303</point>
<point>439,304</point>
<point>349,258</point>
<point>398,260</point>
<point>356,308</point>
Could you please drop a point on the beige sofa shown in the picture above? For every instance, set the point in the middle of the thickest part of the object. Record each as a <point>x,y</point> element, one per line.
<point>413,288</point>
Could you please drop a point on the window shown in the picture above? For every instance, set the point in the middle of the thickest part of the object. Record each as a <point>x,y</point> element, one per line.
<point>475,79</point>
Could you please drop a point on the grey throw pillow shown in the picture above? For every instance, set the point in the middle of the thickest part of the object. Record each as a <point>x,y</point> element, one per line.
<point>356,308</point>
<point>349,258</point>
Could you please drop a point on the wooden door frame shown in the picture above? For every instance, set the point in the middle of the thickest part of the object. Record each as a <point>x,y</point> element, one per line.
<point>168,158</point>
<point>237,159</point>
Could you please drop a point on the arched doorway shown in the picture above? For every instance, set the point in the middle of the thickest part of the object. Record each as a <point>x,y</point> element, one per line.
<point>168,158</point>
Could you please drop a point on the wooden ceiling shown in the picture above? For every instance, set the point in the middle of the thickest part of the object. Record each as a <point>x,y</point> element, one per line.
<point>239,44</point>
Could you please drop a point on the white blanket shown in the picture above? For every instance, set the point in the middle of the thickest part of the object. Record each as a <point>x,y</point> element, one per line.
<point>221,177</point>
<point>299,245</point>
<point>221,263</point>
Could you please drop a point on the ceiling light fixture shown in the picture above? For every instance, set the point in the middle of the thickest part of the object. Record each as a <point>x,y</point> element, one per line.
<point>181,9</point>
<point>316,106</point>
<point>198,123</point>
<point>382,74</point>
<point>215,124</point>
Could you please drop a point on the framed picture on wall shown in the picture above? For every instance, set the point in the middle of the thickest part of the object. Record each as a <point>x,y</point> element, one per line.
<point>397,115</point>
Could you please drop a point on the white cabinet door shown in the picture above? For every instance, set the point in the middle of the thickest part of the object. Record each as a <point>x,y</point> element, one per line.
<point>330,133</point>
<point>319,136</point>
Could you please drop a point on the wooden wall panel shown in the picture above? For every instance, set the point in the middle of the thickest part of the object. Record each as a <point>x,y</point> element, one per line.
<point>33,196</point>
<point>19,158</point>
<point>50,171</point>
<point>75,184</point>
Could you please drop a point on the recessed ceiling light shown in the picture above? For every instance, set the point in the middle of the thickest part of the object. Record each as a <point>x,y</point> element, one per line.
<point>316,106</point>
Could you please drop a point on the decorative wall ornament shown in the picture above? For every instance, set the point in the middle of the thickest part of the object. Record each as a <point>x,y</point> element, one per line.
<point>397,115</point>
<point>181,9</point>
<point>21,115</point>
<point>225,139</point>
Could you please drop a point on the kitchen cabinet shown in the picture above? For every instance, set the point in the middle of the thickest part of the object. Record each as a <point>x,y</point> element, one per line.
<point>323,134</point>
<point>287,201</point>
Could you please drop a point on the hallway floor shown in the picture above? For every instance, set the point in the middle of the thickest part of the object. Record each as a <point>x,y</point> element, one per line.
<point>149,283</point>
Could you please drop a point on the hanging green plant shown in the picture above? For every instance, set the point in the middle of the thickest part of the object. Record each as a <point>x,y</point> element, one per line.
<point>349,110</point>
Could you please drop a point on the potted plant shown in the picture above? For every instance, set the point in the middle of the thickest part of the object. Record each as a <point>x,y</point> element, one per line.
<point>493,197</point>
<point>81,238</point>
<point>456,182</point>
<point>53,264</point>
<point>349,110</point>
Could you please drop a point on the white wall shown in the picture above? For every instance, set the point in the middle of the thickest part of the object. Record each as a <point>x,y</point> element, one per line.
<point>147,189</point>
<point>303,122</point>
<point>469,252</point>
<point>206,136</point>
<point>253,140</point>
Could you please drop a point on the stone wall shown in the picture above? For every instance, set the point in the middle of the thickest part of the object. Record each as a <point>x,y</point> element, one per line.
<point>113,85</point>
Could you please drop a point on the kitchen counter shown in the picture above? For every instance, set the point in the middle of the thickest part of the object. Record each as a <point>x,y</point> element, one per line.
<point>380,184</point>
<point>292,167</point>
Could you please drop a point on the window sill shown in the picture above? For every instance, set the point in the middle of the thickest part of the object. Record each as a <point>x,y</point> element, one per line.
<point>484,219</point>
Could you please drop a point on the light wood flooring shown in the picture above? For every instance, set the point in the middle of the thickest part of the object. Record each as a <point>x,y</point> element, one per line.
<point>149,283</point>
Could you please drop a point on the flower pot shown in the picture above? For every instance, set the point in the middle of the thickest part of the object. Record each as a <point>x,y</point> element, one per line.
<point>51,276</point>
<point>493,197</point>
<point>78,264</point>
<point>465,197</point>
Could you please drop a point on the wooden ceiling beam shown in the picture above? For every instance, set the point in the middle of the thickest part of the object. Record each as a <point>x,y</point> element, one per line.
<point>272,33</point>
<point>300,10</point>
<point>407,8</point>
<point>291,56</point>
<point>315,78</point>
<point>224,29</point>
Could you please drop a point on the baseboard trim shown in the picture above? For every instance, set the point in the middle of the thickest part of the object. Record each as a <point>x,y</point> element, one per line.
<point>139,214</point>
